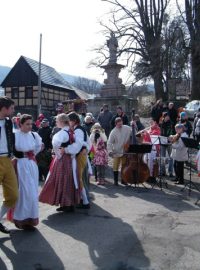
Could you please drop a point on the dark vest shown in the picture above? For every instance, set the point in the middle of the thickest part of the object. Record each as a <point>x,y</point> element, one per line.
<point>84,132</point>
<point>9,136</point>
<point>85,136</point>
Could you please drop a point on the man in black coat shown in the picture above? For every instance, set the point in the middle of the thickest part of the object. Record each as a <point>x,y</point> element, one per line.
<point>120,114</point>
<point>44,157</point>
<point>173,113</point>
<point>104,118</point>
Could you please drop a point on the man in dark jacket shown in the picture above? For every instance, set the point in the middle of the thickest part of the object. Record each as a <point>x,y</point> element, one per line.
<point>120,114</point>
<point>44,157</point>
<point>173,114</point>
<point>167,129</point>
<point>105,118</point>
<point>87,124</point>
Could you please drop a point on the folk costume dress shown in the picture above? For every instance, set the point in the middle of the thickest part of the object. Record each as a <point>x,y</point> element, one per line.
<point>62,186</point>
<point>75,149</point>
<point>26,211</point>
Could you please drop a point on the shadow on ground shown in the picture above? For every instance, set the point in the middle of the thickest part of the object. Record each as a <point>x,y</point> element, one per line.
<point>172,198</point>
<point>30,251</point>
<point>112,244</point>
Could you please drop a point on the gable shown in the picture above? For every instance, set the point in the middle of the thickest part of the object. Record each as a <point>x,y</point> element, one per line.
<point>20,75</point>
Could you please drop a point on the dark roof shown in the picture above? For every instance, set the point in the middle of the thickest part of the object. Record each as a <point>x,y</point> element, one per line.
<point>48,74</point>
<point>26,72</point>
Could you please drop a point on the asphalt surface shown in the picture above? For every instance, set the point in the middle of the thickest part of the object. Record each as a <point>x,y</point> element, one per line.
<point>125,229</point>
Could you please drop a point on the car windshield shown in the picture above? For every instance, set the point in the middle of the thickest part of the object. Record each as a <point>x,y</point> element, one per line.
<point>189,106</point>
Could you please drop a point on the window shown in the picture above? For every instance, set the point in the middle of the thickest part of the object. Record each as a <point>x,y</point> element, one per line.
<point>29,92</point>
<point>15,92</point>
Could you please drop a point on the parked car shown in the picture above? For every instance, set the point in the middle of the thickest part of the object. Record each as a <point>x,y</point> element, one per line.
<point>191,108</point>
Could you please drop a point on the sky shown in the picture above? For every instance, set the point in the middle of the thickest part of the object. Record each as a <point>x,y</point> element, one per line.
<point>70,29</point>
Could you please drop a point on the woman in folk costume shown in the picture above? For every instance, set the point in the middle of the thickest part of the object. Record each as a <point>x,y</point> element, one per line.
<point>27,145</point>
<point>61,187</point>
<point>80,148</point>
<point>151,157</point>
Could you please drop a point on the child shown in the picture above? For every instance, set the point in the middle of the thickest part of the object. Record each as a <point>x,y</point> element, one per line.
<point>100,161</point>
<point>179,152</point>
<point>96,132</point>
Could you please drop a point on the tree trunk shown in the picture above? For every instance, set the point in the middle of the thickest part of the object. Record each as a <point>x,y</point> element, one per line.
<point>158,85</point>
<point>195,62</point>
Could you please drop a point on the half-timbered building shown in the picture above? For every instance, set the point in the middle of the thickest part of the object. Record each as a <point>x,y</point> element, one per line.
<point>21,84</point>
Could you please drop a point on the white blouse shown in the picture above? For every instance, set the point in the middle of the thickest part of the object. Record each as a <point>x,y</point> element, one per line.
<point>60,137</point>
<point>25,142</point>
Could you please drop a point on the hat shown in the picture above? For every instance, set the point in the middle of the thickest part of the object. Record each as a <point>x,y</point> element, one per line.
<point>182,114</point>
<point>87,118</point>
<point>45,120</point>
<point>96,126</point>
<point>41,115</point>
<point>89,114</point>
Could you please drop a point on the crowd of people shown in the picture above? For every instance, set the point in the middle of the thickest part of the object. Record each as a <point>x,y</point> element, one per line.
<point>65,152</point>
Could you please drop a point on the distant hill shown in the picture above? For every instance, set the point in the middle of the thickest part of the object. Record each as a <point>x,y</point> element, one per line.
<point>3,72</point>
<point>69,78</point>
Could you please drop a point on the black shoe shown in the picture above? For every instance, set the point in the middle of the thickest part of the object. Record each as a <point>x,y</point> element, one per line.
<point>65,209</point>
<point>151,180</point>
<point>83,206</point>
<point>3,229</point>
<point>115,178</point>
<point>124,183</point>
<point>179,183</point>
<point>28,228</point>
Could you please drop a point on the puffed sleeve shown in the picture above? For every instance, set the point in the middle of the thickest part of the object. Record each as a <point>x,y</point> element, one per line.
<point>58,139</point>
<point>38,143</point>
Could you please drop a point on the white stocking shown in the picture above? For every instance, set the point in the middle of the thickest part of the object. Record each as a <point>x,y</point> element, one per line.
<point>84,196</point>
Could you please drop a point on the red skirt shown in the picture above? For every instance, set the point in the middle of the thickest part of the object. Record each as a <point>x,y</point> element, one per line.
<point>59,189</point>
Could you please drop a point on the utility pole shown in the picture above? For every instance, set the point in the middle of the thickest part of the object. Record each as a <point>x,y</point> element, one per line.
<point>39,78</point>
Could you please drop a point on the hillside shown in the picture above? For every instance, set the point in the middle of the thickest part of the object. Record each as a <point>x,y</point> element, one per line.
<point>3,72</point>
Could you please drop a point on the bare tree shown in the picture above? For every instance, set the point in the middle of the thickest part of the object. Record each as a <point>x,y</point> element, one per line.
<point>87,85</point>
<point>192,11</point>
<point>139,29</point>
<point>175,50</point>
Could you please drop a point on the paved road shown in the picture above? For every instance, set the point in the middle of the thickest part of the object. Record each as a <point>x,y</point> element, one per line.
<point>125,229</point>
